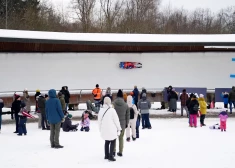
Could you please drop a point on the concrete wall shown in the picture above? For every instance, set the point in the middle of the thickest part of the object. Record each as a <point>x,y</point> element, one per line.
<point>84,70</point>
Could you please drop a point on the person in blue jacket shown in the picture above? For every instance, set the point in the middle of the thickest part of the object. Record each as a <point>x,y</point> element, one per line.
<point>225,95</point>
<point>55,116</point>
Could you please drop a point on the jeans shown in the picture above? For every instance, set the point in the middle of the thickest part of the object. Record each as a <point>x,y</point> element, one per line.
<point>17,122</point>
<point>109,148</point>
<point>55,134</point>
<point>121,142</point>
<point>66,106</point>
<point>44,122</point>
<point>182,110</point>
<point>22,126</point>
<point>231,107</point>
<point>97,105</point>
<point>145,121</point>
<point>87,129</point>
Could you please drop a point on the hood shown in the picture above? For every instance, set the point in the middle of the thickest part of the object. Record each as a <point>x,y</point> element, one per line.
<point>119,101</point>
<point>201,99</point>
<point>52,93</point>
<point>129,100</point>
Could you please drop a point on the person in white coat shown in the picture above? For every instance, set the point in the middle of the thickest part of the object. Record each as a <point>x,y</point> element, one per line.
<point>109,127</point>
<point>133,118</point>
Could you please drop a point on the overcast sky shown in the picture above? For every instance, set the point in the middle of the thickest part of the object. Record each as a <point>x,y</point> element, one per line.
<point>214,5</point>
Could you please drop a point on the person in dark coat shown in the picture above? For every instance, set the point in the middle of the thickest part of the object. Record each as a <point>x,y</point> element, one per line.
<point>193,111</point>
<point>168,91</point>
<point>55,116</point>
<point>136,95</point>
<point>16,106</point>
<point>67,125</point>
<point>1,106</point>
<point>42,106</point>
<point>66,94</point>
<point>173,97</point>
<point>143,91</point>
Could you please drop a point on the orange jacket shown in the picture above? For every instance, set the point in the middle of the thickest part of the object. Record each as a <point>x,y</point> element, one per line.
<point>97,93</point>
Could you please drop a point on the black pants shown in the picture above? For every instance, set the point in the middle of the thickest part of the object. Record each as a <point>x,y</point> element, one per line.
<point>109,148</point>
<point>225,105</point>
<point>17,118</point>
<point>202,118</point>
<point>44,122</point>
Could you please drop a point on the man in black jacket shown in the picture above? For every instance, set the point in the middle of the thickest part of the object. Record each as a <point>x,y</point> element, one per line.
<point>42,106</point>
<point>16,105</point>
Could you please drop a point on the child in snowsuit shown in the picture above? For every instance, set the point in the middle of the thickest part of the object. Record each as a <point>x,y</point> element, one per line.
<point>203,108</point>
<point>67,125</point>
<point>193,111</point>
<point>224,95</point>
<point>133,118</point>
<point>223,120</point>
<point>85,123</point>
<point>23,119</point>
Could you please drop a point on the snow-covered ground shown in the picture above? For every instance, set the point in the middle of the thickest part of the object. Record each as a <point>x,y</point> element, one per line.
<point>170,144</point>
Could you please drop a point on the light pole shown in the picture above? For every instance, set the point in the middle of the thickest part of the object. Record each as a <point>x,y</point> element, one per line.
<point>6,14</point>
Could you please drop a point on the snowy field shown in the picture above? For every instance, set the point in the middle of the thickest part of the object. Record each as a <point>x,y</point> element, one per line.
<point>170,144</point>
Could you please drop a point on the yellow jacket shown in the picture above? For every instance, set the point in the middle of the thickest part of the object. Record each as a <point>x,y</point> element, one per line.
<point>202,104</point>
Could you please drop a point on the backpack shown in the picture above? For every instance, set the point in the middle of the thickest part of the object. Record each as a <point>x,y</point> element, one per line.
<point>195,107</point>
<point>132,113</point>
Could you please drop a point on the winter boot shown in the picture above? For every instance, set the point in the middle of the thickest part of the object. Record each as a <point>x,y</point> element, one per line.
<point>133,138</point>
<point>111,159</point>
<point>128,139</point>
<point>58,146</point>
<point>119,154</point>
<point>114,154</point>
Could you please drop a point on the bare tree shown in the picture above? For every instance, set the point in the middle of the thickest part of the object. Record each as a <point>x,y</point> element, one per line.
<point>84,10</point>
<point>111,11</point>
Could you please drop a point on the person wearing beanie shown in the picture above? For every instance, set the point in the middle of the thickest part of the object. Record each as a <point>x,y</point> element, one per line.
<point>133,118</point>
<point>203,108</point>
<point>26,99</point>
<point>62,101</point>
<point>1,106</point>
<point>183,99</point>
<point>97,93</point>
<point>136,95</point>
<point>144,105</point>
<point>108,93</point>
<point>123,113</point>
<point>67,125</point>
<point>193,111</point>
<point>41,108</point>
<point>109,127</point>
<point>55,117</point>
<point>15,109</point>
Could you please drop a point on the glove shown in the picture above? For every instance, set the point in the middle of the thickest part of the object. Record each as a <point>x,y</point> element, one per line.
<point>63,120</point>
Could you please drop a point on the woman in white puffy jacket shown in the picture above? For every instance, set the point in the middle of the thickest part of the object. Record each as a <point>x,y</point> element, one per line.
<point>132,122</point>
<point>109,127</point>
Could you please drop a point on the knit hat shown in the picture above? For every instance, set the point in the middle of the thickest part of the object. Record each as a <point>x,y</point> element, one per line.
<point>97,85</point>
<point>46,95</point>
<point>107,101</point>
<point>70,116</point>
<point>37,90</point>
<point>194,96</point>
<point>59,94</point>
<point>120,93</point>
<point>25,89</point>
<point>191,95</point>
<point>201,95</point>
<point>17,96</point>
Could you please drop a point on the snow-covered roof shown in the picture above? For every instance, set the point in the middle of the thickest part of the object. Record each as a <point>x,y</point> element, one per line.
<point>115,38</point>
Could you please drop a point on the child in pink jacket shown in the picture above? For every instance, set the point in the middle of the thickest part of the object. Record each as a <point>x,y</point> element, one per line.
<point>223,120</point>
